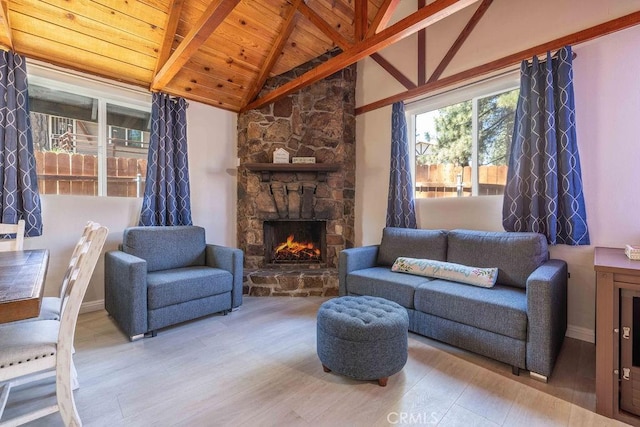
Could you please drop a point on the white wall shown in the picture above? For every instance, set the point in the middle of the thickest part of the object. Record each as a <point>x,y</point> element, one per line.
<point>212,156</point>
<point>607,90</point>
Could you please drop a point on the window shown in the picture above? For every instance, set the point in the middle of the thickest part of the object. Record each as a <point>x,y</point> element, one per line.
<point>462,139</point>
<point>90,138</point>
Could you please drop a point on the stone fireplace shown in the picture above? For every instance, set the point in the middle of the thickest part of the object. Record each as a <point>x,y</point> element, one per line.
<point>315,200</point>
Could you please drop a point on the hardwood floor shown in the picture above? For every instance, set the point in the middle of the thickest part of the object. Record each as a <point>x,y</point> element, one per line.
<point>258,366</point>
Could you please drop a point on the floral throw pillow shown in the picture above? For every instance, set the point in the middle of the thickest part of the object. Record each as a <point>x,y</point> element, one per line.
<point>484,277</point>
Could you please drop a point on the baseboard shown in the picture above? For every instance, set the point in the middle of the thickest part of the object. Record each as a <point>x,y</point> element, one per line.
<point>87,307</point>
<point>582,334</point>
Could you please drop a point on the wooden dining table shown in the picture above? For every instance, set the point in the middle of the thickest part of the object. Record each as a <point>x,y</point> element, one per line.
<point>22,275</point>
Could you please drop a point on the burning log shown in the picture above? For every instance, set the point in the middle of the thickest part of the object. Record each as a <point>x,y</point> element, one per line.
<point>296,251</point>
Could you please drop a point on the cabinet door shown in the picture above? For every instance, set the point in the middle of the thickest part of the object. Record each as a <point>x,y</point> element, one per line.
<point>630,351</point>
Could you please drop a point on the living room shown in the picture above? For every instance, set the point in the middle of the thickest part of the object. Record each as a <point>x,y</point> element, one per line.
<point>605,72</point>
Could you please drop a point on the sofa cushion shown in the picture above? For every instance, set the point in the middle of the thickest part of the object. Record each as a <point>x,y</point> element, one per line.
<point>165,248</point>
<point>384,283</point>
<point>397,242</point>
<point>515,255</point>
<point>175,286</point>
<point>501,309</point>
<point>485,277</point>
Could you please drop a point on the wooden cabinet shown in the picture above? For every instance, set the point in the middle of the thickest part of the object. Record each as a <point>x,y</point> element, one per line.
<point>617,279</point>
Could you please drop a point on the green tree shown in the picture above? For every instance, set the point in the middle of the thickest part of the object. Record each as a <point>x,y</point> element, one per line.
<point>453,127</point>
<point>496,116</point>
<point>453,136</point>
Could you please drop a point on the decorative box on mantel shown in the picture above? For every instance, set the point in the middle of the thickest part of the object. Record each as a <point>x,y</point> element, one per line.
<point>266,168</point>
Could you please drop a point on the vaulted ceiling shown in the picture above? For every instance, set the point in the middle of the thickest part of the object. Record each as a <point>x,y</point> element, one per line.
<point>220,52</point>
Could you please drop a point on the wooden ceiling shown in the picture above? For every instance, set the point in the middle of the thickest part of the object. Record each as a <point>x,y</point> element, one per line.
<point>219,52</point>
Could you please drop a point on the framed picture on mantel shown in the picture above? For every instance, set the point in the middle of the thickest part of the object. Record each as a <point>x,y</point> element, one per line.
<point>280,155</point>
<point>303,160</point>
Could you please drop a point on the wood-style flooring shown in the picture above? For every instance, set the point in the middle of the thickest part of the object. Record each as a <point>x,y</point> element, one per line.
<point>258,366</point>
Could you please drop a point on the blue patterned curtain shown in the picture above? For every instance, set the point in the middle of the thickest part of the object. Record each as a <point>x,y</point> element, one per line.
<point>166,193</point>
<point>18,180</point>
<point>544,182</point>
<point>401,210</point>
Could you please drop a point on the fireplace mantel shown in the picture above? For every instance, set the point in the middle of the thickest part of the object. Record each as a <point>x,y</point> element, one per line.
<point>266,168</point>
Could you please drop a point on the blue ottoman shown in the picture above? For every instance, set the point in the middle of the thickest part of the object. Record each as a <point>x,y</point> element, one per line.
<point>362,337</point>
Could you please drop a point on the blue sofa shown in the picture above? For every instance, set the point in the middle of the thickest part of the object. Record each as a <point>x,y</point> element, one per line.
<point>167,275</point>
<point>521,320</point>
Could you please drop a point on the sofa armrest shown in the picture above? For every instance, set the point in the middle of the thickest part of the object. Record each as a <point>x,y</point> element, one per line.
<point>125,291</point>
<point>355,259</point>
<point>547,315</point>
<point>230,259</point>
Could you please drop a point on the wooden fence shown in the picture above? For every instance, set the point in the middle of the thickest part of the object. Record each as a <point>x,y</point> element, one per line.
<point>446,180</point>
<point>77,174</point>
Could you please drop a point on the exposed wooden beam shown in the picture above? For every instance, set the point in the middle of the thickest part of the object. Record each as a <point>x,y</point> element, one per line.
<point>411,24</point>
<point>455,47</point>
<point>213,16</point>
<point>383,16</point>
<point>395,73</point>
<point>5,31</point>
<point>287,27</point>
<point>361,19</point>
<point>173,17</point>
<point>422,50</point>
<point>324,26</point>
<point>600,30</point>
<point>343,7</point>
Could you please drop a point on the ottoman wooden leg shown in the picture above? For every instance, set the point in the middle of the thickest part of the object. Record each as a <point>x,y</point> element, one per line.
<point>383,381</point>
<point>325,368</point>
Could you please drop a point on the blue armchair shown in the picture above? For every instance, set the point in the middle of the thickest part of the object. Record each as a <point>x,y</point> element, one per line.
<point>167,275</point>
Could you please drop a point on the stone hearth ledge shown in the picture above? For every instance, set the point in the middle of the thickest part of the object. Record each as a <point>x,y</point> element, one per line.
<point>300,282</point>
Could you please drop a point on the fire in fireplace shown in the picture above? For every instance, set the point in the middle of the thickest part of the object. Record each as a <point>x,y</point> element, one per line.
<point>296,251</point>
<point>294,241</point>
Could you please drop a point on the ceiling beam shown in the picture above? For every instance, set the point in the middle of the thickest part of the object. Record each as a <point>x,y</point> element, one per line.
<point>596,31</point>
<point>343,8</point>
<point>464,34</point>
<point>5,31</point>
<point>287,28</point>
<point>361,19</point>
<point>411,24</point>
<point>383,17</point>
<point>422,50</point>
<point>213,16</point>
<point>171,25</point>
<point>395,73</point>
<point>324,26</point>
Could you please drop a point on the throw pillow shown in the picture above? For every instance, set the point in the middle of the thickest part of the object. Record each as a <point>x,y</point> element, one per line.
<point>484,277</point>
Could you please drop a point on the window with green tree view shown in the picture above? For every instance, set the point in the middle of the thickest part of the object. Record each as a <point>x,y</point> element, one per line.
<point>462,141</point>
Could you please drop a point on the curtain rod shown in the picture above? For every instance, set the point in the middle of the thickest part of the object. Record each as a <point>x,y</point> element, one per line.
<point>544,59</point>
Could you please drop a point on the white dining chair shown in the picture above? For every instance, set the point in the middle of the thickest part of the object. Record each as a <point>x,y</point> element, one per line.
<point>29,351</point>
<point>15,244</point>
<point>51,307</point>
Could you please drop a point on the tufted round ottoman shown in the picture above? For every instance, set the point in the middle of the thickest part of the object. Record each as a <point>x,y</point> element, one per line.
<point>362,337</point>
